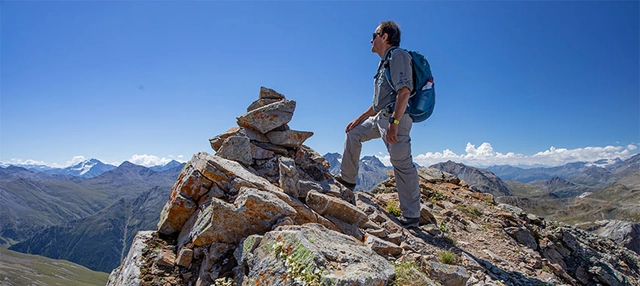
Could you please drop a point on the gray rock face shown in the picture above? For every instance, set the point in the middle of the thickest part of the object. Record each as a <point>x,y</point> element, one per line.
<point>128,274</point>
<point>623,232</point>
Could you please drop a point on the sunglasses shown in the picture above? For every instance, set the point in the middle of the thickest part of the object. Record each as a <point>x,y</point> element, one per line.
<point>374,35</point>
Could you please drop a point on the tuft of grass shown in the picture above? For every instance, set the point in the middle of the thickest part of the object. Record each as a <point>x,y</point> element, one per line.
<point>448,257</point>
<point>393,207</point>
<point>471,212</point>
<point>443,227</point>
<point>408,274</point>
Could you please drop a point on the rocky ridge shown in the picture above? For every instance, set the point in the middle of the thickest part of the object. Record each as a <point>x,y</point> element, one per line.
<point>480,179</point>
<point>266,211</point>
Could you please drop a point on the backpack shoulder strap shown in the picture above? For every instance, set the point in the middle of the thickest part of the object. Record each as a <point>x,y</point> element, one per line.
<point>387,70</point>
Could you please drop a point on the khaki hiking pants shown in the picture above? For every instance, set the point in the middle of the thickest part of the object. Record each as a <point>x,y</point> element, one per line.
<point>405,172</point>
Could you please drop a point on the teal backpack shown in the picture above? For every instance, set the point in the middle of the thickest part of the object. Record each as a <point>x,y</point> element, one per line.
<point>423,98</point>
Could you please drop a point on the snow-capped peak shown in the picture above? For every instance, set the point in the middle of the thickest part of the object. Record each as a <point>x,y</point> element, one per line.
<point>83,167</point>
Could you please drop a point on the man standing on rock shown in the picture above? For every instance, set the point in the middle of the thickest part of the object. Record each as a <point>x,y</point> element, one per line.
<point>386,119</point>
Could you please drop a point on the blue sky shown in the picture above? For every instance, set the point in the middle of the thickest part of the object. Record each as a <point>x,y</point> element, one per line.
<point>521,83</point>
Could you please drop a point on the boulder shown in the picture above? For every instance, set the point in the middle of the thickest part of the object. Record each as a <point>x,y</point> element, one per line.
<point>337,208</point>
<point>382,247</point>
<point>253,212</point>
<point>433,175</point>
<point>523,236</point>
<point>447,274</point>
<point>310,254</point>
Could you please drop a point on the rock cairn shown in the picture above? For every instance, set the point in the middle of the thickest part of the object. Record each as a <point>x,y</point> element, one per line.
<point>265,211</point>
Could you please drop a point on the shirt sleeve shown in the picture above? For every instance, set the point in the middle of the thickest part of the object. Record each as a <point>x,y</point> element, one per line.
<point>400,70</point>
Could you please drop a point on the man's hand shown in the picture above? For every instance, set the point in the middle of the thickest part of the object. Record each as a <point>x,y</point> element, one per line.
<point>392,133</point>
<point>402,100</point>
<point>352,124</point>
<point>370,112</point>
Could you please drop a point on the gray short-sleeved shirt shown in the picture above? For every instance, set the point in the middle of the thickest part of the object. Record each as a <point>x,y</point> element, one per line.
<point>399,64</point>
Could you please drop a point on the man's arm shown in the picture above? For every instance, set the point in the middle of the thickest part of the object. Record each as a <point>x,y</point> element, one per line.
<point>402,100</point>
<point>370,112</point>
<point>401,74</point>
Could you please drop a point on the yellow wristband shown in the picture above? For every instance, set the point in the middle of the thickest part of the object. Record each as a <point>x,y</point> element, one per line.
<point>396,122</point>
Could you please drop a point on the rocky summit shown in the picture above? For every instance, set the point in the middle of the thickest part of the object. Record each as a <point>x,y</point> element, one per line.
<point>264,210</point>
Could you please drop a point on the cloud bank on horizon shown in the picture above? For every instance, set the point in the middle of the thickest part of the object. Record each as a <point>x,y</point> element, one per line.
<point>142,160</point>
<point>481,156</point>
<point>484,156</point>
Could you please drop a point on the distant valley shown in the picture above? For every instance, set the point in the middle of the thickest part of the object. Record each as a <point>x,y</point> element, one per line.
<point>66,216</point>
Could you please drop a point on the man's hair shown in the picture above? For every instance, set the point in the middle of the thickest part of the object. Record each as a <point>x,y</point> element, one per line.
<point>393,32</point>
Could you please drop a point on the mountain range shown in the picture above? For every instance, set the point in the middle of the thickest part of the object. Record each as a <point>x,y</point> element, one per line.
<point>101,208</point>
<point>595,174</point>
<point>86,169</point>
<point>51,214</point>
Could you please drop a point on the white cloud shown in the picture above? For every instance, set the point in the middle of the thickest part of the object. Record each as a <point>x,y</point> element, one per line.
<point>18,162</point>
<point>75,160</point>
<point>485,155</point>
<point>29,162</point>
<point>148,160</point>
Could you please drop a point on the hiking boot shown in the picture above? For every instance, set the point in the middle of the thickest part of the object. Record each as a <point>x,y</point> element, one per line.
<point>409,222</point>
<point>349,186</point>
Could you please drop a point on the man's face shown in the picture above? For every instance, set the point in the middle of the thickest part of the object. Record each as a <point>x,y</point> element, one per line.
<point>376,40</point>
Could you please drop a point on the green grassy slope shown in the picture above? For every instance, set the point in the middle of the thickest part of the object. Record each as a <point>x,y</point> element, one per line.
<point>26,269</point>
